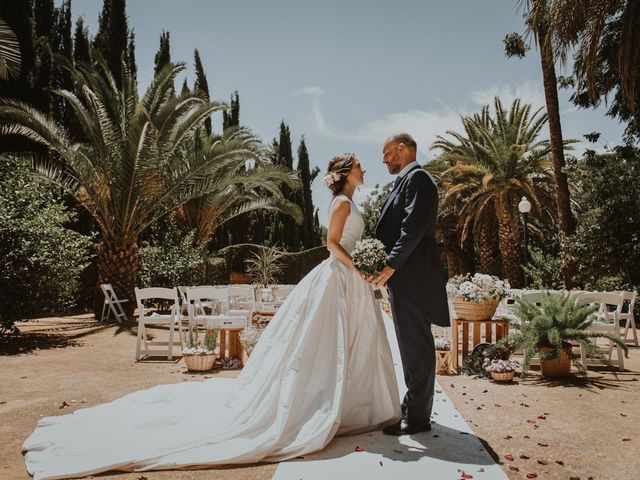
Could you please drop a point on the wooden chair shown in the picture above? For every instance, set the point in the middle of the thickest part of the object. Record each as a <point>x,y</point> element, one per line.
<point>172,320</point>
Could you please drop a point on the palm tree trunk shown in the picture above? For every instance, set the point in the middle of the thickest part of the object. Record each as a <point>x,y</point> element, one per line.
<point>565,216</point>
<point>509,240</point>
<point>487,248</point>
<point>118,265</point>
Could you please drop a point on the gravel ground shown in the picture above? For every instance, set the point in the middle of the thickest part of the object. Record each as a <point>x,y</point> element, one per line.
<point>576,428</point>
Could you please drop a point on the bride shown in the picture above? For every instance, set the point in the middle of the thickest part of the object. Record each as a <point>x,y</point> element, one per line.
<point>322,368</point>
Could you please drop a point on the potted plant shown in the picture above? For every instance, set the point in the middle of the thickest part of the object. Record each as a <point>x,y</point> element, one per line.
<point>199,353</point>
<point>265,266</point>
<point>549,328</point>
<point>501,370</point>
<point>473,364</point>
<point>476,297</point>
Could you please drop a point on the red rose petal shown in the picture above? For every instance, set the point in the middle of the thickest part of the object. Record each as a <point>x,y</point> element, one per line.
<point>542,417</point>
<point>543,462</point>
<point>524,457</point>
<point>543,444</point>
<point>359,449</point>
<point>532,475</point>
<point>515,469</point>
<point>509,457</point>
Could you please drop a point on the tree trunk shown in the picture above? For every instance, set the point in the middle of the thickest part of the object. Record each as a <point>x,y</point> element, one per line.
<point>118,265</point>
<point>487,248</point>
<point>565,216</point>
<point>509,240</point>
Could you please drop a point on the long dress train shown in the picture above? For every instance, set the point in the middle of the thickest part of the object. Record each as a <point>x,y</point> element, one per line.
<point>321,368</point>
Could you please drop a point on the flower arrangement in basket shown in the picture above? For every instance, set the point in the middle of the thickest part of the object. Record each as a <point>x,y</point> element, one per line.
<point>476,297</point>
<point>369,257</point>
<point>501,370</point>
<point>443,356</point>
<point>249,336</point>
<point>198,353</point>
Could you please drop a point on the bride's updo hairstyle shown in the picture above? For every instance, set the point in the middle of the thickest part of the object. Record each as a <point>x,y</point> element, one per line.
<point>337,172</point>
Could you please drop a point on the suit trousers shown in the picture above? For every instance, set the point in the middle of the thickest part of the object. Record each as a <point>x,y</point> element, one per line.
<point>417,351</point>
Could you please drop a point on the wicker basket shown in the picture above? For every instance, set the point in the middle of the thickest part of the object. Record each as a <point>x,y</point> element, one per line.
<point>503,376</point>
<point>475,312</point>
<point>199,363</point>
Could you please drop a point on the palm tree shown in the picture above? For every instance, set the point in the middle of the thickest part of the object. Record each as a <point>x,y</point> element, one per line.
<point>495,162</point>
<point>238,191</point>
<point>537,21</point>
<point>133,165</point>
<point>9,52</point>
<point>583,24</point>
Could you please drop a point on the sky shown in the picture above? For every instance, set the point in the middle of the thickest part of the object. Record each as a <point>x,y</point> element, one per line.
<point>347,74</point>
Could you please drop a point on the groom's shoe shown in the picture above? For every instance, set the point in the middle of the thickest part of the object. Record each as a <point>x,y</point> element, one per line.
<point>404,427</point>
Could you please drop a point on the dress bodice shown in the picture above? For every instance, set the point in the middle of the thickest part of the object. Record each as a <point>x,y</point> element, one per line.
<point>353,226</point>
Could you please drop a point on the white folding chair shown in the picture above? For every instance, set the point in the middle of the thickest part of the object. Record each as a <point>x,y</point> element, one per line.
<point>242,300</point>
<point>112,304</point>
<point>216,298</point>
<point>607,321</point>
<point>626,315</point>
<point>281,292</point>
<point>172,320</point>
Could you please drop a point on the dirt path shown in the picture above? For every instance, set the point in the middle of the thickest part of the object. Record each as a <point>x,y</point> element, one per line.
<point>591,427</point>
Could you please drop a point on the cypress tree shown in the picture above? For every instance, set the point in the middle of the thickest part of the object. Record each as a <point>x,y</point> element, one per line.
<point>81,50</point>
<point>231,118</point>
<point>163,55</point>
<point>201,86</point>
<point>185,88</point>
<point>113,34</point>
<point>62,44</point>
<point>131,55</point>
<point>44,16</point>
<point>305,197</point>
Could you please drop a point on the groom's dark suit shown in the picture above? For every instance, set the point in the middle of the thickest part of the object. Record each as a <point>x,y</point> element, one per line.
<point>417,288</point>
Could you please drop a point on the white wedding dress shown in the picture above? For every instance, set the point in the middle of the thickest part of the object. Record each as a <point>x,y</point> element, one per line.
<point>322,368</point>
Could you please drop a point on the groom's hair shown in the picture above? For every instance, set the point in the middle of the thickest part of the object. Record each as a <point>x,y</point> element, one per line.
<point>406,139</point>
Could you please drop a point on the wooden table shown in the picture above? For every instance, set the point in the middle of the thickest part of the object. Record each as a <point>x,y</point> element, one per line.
<point>229,327</point>
<point>493,330</point>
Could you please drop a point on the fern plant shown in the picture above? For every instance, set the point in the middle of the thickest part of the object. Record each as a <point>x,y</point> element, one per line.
<point>554,323</point>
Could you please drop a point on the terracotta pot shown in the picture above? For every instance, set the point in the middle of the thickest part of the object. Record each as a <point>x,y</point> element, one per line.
<point>558,367</point>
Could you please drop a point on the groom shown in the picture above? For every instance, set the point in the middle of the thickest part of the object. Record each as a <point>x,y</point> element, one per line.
<point>414,276</point>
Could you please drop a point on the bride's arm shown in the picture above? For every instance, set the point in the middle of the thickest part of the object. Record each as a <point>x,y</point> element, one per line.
<point>340,210</point>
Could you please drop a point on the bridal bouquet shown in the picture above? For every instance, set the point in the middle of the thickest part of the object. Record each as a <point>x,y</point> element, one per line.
<point>369,257</point>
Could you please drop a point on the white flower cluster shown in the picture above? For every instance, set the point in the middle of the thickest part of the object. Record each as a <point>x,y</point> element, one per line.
<point>369,256</point>
<point>196,351</point>
<point>500,366</point>
<point>249,337</point>
<point>442,343</point>
<point>477,288</point>
<point>330,178</point>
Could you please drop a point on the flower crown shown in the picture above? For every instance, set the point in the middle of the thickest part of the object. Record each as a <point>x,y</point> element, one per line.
<point>330,178</point>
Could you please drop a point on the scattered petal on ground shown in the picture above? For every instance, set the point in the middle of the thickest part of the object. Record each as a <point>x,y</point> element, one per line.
<point>359,449</point>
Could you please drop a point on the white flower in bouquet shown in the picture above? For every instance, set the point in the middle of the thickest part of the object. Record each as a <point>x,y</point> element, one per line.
<point>369,257</point>
<point>249,336</point>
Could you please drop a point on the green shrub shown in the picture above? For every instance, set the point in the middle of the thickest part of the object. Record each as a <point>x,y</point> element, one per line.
<point>168,258</point>
<point>42,260</point>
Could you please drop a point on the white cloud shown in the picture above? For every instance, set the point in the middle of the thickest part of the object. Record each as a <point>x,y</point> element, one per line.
<point>424,125</point>
<point>528,92</point>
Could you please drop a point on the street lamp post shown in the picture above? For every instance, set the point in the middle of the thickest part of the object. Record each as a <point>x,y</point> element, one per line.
<point>525,207</point>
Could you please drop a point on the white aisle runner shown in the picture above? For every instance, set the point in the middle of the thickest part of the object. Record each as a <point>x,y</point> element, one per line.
<point>448,451</point>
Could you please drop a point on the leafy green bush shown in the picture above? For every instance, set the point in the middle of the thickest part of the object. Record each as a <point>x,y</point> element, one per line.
<point>167,257</point>
<point>42,260</point>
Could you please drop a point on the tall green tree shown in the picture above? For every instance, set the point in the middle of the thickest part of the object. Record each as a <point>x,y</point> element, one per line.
<point>45,18</point>
<point>231,117</point>
<point>112,36</point>
<point>493,164</point>
<point>62,44</point>
<point>81,43</point>
<point>537,21</point>
<point>309,235</point>
<point>163,55</point>
<point>201,86</point>
<point>131,55</point>
<point>135,166</point>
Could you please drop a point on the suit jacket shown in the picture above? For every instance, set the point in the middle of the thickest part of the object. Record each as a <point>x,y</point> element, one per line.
<point>407,227</point>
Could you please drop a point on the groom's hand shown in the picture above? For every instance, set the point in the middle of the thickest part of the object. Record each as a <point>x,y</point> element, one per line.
<point>383,276</point>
